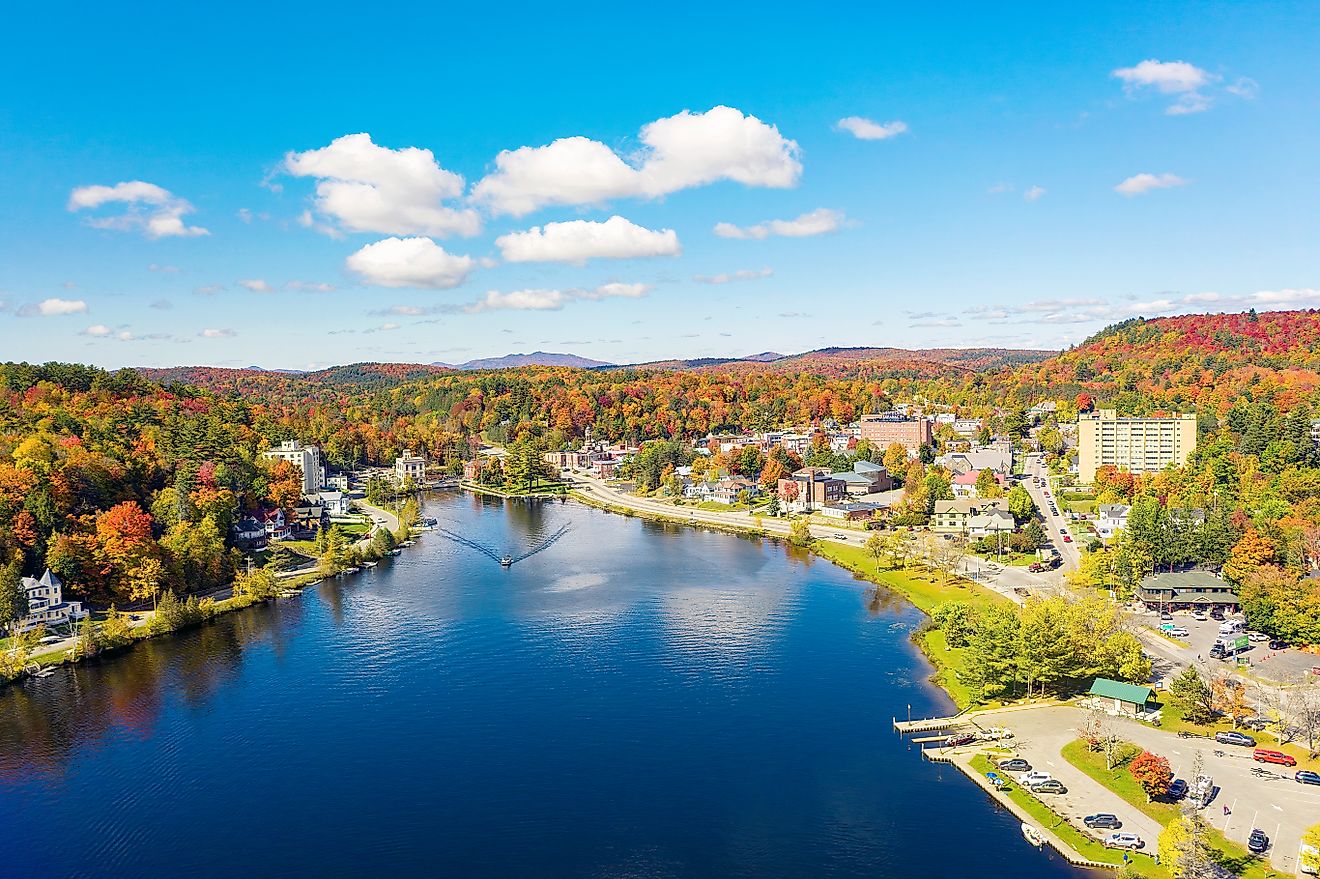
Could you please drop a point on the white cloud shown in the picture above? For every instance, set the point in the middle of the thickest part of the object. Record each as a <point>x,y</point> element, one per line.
<point>368,188</point>
<point>552,300</point>
<point>209,289</point>
<point>1139,184</point>
<point>211,333</point>
<point>409,262</point>
<point>157,212</point>
<point>577,241</point>
<point>310,286</point>
<point>865,129</point>
<point>169,270</point>
<point>1176,78</point>
<point>53,307</point>
<point>1244,87</point>
<point>244,214</point>
<point>740,275</point>
<point>97,330</point>
<point>256,285</point>
<point>1034,193</point>
<point>678,152</point>
<point>816,222</point>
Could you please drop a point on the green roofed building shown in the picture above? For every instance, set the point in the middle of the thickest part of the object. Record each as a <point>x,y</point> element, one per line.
<point>1125,698</point>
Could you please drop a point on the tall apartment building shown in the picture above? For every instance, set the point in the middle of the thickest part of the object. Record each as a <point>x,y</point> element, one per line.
<point>305,458</point>
<point>884,430</point>
<point>1138,445</point>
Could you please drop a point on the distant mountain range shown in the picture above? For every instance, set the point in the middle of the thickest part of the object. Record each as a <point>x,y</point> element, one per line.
<point>536,358</point>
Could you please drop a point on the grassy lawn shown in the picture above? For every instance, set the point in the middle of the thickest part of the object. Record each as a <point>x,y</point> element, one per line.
<point>1121,782</point>
<point>1171,719</point>
<point>949,660</point>
<point>922,588</point>
<point>1167,637</point>
<point>1086,845</point>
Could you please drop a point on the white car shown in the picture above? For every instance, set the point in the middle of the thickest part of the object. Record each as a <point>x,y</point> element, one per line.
<point>1257,637</point>
<point>1124,840</point>
<point>1177,632</point>
<point>1036,777</point>
<point>1200,616</point>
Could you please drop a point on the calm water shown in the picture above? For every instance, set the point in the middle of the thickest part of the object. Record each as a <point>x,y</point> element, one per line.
<point>636,701</point>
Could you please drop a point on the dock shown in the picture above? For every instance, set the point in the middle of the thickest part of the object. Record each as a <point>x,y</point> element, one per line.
<point>930,724</point>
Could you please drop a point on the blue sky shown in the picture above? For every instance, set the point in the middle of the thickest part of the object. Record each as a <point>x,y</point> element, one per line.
<point>187,186</point>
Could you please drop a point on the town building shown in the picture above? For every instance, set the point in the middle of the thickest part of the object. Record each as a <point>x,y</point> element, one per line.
<point>964,484</point>
<point>1187,590</point>
<point>248,531</point>
<point>728,491</point>
<point>46,604</point>
<point>305,458</point>
<point>1138,445</point>
<point>972,517</point>
<point>571,460</point>
<point>811,488</point>
<point>851,511</point>
<point>274,523</point>
<point>410,465</point>
<point>877,474</point>
<point>882,431</point>
<point>335,503</point>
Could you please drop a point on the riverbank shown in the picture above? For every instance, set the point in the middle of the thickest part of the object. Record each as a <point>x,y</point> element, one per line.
<point>553,490</point>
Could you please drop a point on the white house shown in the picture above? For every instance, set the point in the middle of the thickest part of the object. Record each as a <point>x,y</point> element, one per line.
<point>697,491</point>
<point>1110,519</point>
<point>46,604</point>
<point>726,491</point>
<point>335,503</point>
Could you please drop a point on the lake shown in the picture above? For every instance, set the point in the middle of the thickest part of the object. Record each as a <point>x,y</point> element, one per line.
<point>638,700</point>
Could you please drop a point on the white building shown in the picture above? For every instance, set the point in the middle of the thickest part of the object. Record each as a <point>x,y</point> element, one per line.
<point>412,465</point>
<point>335,503</point>
<point>46,604</point>
<point>305,458</point>
<point>1111,519</point>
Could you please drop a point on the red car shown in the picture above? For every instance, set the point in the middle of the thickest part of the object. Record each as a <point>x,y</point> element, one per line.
<point>1067,538</point>
<point>1265,755</point>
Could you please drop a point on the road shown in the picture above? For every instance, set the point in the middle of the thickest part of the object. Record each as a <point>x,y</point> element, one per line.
<point>1070,553</point>
<point>1276,804</point>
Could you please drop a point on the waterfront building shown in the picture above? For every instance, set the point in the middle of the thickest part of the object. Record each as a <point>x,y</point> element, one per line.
<point>46,604</point>
<point>407,465</point>
<point>1138,445</point>
<point>1187,590</point>
<point>305,458</point>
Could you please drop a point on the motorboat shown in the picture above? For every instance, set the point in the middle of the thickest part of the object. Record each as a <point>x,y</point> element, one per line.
<point>1032,835</point>
<point>506,560</point>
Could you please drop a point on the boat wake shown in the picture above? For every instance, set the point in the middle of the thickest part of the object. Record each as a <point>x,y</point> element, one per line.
<point>507,559</point>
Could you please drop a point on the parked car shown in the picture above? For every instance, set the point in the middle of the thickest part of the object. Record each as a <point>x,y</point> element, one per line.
<point>1200,616</point>
<point>1278,645</point>
<point>1257,842</point>
<point>1035,567</point>
<point>1266,755</point>
<point>1048,787</point>
<point>1257,637</point>
<point>1015,764</point>
<point>1124,840</point>
<point>1177,790</point>
<point>1177,632</point>
<point>1306,776</point>
<point>1232,737</point>
<point>959,740</point>
<point>1036,778</point>
<point>1165,615</point>
<point>1067,538</point>
<point>1103,820</point>
<point>1204,790</point>
<point>1217,614</point>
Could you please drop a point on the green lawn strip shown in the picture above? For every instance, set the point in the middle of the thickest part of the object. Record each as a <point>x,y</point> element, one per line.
<point>1084,844</point>
<point>949,661</point>
<point>925,590</point>
<point>1121,782</point>
<point>1169,638</point>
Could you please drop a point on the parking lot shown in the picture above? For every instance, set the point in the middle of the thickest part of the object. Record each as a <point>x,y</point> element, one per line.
<point>1288,666</point>
<point>1275,803</point>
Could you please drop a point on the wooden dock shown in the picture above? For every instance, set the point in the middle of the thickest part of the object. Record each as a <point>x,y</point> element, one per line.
<point>930,724</point>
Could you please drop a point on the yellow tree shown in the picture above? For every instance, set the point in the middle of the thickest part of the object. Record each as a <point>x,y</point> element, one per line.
<point>1247,555</point>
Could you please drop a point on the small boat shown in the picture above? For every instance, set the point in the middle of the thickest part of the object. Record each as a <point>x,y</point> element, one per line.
<point>1032,835</point>
<point>369,564</point>
<point>395,551</point>
<point>506,561</point>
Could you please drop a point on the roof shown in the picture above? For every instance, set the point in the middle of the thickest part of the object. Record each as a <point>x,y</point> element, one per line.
<point>1113,511</point>
<point>968,506</point>
<point>1107,689</point>
<point>868,467</point>
<point>1184,581</point>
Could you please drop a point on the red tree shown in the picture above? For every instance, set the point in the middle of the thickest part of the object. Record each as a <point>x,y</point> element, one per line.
<point>1152,772</point>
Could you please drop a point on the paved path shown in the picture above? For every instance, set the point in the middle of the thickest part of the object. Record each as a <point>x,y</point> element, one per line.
<point>1070,553</point>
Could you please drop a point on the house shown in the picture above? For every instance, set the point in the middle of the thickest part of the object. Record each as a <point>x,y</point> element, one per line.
<point>1187,590</point>
<point>335,503</point>
<point>996,456</point>
<point>305,458</point>
<point>308,514</point>
<point>697,491</point>
<point>967,428</point>
<point>1120,698</point>
<point>274,524</point>
<point>964,484</point>
<point>410,465</point>
<point>338,481</point>
<point>46,604</point>
<point>472,469</point>
<point>971,516</point>
<point>727,491</point>
<point>248,530</point>
<point>1110,519</point>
